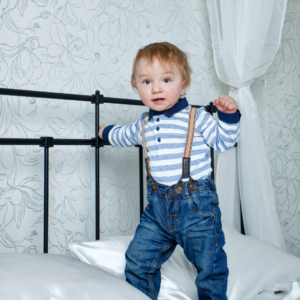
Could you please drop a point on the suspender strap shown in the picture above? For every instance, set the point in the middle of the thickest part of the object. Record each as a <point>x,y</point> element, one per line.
<point>188,144</point>
<point>145,148</point>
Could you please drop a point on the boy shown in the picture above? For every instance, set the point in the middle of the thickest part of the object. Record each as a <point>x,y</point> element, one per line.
<point>183,203</point>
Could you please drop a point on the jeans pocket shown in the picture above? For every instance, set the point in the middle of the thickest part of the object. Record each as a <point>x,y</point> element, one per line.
<point>202,203</point>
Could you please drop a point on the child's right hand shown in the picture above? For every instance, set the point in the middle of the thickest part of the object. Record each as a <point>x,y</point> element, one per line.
<point>226,104</point>
<point>101,128</point>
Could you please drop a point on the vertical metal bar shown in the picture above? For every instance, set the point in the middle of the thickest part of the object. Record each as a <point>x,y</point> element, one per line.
<point>141,175</point>
<point>46,198</point>
<point>97,171</point>
<point>242,222</point>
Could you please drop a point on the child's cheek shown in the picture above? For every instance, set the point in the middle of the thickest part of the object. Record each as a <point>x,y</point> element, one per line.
<point>144,94</point>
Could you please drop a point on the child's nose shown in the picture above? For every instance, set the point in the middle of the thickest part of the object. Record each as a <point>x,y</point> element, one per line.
<point>156,88</point>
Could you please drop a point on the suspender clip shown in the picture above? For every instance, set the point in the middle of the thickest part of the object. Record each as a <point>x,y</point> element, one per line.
<point>191,184</point>
<point>179,187</point>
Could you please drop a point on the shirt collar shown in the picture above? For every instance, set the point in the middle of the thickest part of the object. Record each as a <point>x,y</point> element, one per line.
<point>181,104</point>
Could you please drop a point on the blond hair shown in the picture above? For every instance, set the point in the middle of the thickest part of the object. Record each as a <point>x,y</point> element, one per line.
<point>168,55</point>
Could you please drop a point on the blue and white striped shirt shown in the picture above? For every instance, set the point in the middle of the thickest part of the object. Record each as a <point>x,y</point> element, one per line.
<point>165,139</point>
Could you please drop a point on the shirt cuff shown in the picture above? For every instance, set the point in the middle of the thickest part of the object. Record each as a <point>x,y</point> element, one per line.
<point>105,133</point>
<point>230,118</point>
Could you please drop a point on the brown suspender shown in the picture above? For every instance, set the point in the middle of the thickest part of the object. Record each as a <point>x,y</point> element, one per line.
<point>188,144</point>
<point>179,187</point>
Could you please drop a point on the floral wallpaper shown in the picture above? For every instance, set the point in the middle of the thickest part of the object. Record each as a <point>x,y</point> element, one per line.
<point>76,46</point>
<point>277,94</point>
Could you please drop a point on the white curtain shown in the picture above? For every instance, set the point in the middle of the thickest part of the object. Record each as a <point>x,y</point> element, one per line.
<point>246,35</point>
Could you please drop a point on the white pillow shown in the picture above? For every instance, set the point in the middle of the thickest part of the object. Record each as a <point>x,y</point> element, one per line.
<point>177,273</point>
<point>55,277</point>
<point>254,266</point>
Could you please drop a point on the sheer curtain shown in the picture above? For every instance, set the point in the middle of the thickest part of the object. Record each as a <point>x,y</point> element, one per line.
<point>245,36</point>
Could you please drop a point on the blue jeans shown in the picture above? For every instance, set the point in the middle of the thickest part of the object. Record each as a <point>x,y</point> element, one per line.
<point>191,220</point>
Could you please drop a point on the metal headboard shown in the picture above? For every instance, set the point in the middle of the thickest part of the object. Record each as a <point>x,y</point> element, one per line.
<point>48,142</point>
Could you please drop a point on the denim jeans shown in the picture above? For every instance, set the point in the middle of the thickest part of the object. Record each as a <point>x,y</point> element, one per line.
<point>190,219</point>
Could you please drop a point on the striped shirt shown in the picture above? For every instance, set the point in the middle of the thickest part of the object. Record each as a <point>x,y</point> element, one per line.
<point>165,139</point>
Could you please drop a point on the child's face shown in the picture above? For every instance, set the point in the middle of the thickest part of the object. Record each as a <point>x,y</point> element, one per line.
<point>158,88</point>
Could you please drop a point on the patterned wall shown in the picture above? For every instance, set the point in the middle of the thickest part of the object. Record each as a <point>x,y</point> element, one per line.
<point>76,46</point>
<point>277,93</point>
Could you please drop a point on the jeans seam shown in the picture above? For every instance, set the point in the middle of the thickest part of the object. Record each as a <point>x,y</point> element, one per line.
<point>212,244</point>
<point>151,285</point>
<point>213,271</point>
<point>154,267</point>
<point>158,256</point>
<point>203,214</point>
<point>213,213</point>
<point>214,260</point>
<point>176,219</point>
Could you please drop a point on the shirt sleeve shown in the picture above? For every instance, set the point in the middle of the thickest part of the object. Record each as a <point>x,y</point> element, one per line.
<point>105,133</point>
<point>220,135</point>
<point>126,136</point>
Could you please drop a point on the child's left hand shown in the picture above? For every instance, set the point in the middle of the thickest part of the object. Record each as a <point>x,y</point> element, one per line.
<point>226,104</point>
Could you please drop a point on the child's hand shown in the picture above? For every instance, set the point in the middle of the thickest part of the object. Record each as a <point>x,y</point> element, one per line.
<point>226,104</point>
<point>101,128</point>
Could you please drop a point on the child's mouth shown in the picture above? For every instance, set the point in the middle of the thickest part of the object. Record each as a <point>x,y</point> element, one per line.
<point>158,100</point>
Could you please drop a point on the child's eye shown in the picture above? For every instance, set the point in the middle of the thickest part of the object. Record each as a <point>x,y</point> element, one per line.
<point>146,81</point>
<point>166,80</point>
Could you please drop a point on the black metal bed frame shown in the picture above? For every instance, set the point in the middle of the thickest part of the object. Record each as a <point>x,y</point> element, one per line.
<point>96,142</point>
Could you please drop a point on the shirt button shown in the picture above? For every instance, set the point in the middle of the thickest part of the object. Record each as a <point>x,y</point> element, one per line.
<point>157,120</point>
<point>157,128</point>
<point>159,140</point>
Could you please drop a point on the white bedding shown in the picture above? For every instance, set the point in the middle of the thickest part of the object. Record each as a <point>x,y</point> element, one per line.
<point>56,277</point>
<point>256,268</point>
<point>256,271</point>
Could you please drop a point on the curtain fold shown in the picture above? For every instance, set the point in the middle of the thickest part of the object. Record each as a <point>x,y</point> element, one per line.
<point>246,35</point>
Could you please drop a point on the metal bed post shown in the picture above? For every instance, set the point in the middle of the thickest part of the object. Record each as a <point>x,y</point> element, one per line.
<point>212,109</point>
<point>47,142</point>
<point>141,179</point>
<point>242,221</point>
<point>98,144</point>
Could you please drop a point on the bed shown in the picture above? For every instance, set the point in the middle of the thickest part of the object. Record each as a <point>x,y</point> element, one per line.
<point>257,270</point>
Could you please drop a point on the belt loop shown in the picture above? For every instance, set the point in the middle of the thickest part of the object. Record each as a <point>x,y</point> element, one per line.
<point>186,192</point>
<point>210,182</point>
